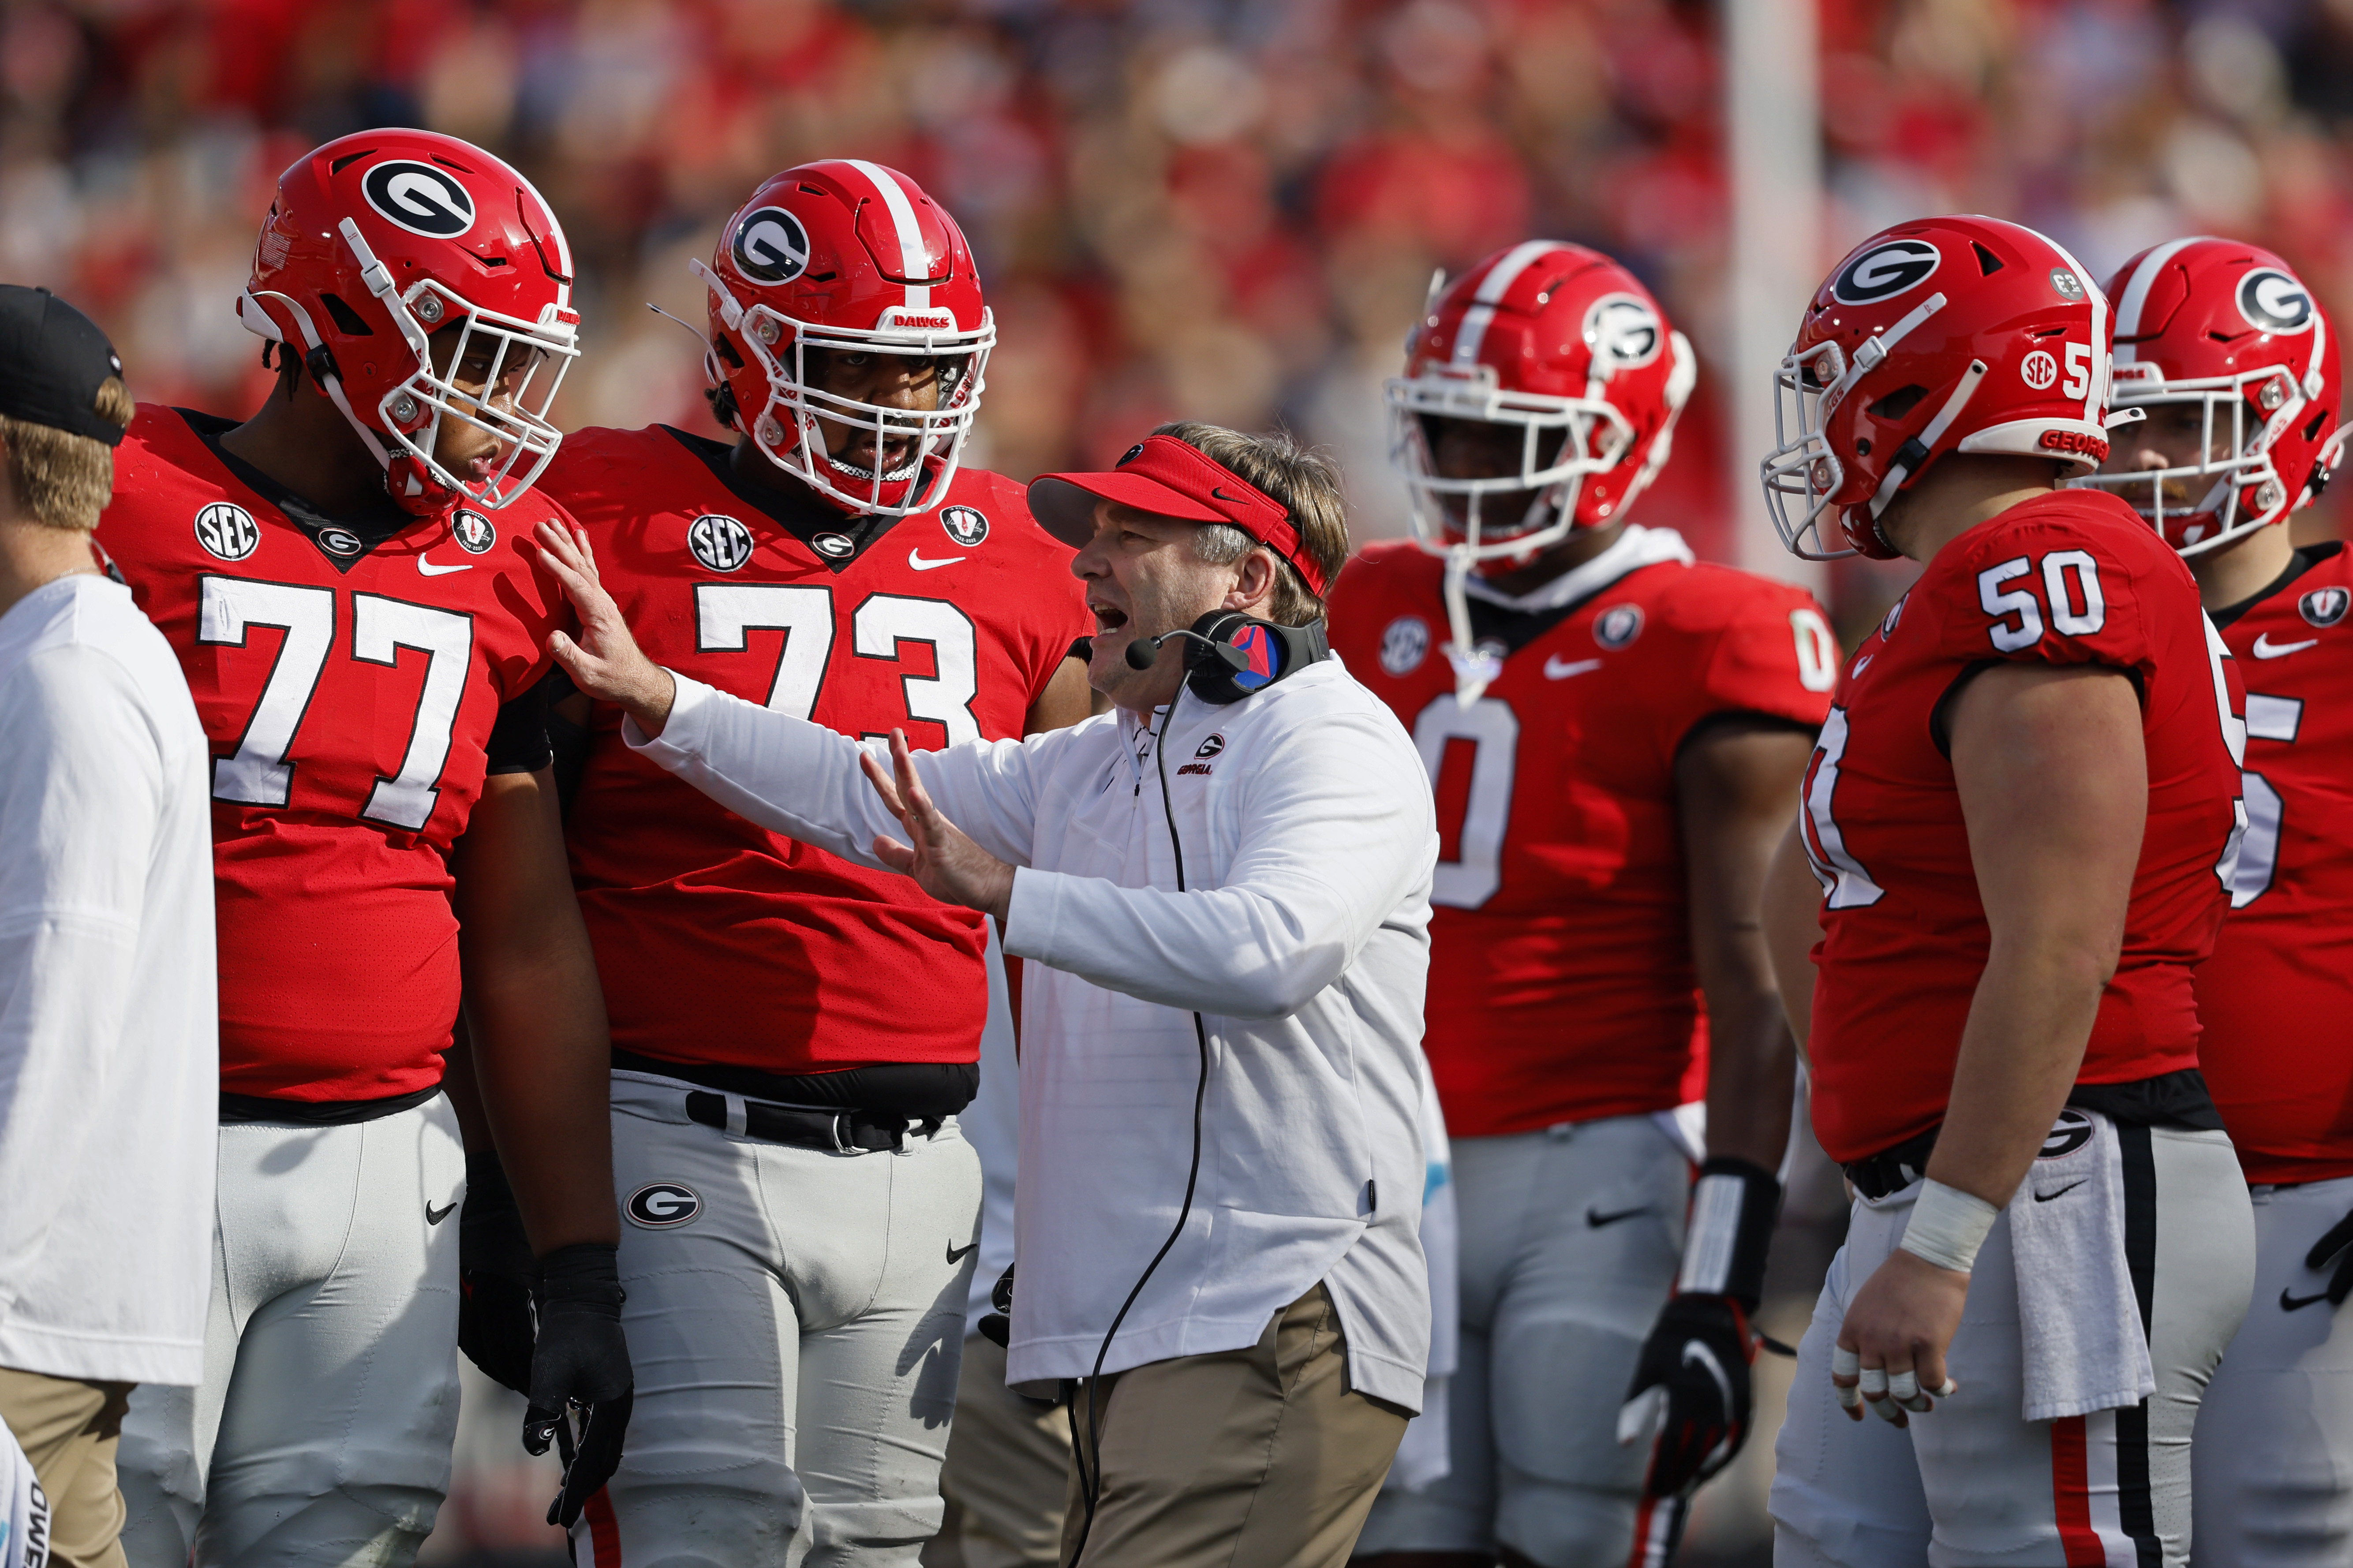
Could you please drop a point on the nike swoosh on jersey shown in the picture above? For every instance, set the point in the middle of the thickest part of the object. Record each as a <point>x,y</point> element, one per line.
<point>2046,1197</point>
<point>431,570</point>
<point>435,1216</point>
<point>958,1253</point>
<point>1558,668</point>
<point>2266,648</point>
<point>915,559</point>
<point>1597,1219</point>
<point>2292,1303</point>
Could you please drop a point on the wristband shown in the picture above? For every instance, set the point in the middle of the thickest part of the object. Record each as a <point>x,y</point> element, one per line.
<point>1947,1226</point>
<point>1733,1208</point>
<point>585,1274</point>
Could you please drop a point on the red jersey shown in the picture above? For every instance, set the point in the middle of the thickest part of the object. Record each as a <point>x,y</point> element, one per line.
<point>719,942</point>
<point>350,672</point>
<point>1560,978</point>
<point>2072,577</point>
<point>2277,998</point>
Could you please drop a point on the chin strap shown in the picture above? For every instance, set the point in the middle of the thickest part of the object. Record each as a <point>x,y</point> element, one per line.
<point>1473,672</point>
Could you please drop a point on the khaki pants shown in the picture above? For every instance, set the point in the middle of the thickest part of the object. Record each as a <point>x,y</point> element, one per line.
<point>67,1429</point>
<point>1251,1458</point>
<point>1008,1471</point>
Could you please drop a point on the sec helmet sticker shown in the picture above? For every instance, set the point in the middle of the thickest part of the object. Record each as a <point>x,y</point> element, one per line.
<point>2039,369</point>
<point>771,247</point>
<point>719,541</point>
<point>1885,271</point>
<point>1624,331</point>
<point>419,197</point>
<point>968,525</point>
<point>226,531</point>
<point>2273,301</point>
<point>1404,645</point>
<point>473,532</point>
<point>662,1206</point>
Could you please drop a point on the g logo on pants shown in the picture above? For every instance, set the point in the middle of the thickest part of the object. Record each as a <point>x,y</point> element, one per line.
<point>661,1205</point>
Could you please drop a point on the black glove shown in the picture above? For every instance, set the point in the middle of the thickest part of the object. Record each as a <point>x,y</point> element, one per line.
<point>1692,1384</point>
<point>581,1363</point>
<point>997,1327</point>
<point>494,1275</point>
<point>2340,1240</point>
<point>1697,1358</point>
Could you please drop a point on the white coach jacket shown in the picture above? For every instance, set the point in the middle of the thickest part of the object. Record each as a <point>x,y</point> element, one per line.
<point>1302,938</point>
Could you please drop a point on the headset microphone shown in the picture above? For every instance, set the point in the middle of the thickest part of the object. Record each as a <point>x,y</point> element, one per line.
<point>1228,654</point>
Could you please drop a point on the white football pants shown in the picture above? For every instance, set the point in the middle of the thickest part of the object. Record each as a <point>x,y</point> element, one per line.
<point>2271,1471</point>
<point>321,1431</point>
<point>797,1322</point>
<point>1975,1485</point>
<point>1570,1241</point>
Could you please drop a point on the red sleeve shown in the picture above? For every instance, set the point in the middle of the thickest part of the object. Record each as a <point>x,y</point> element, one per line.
<point>1756,648</point>
<point>2048,588</point>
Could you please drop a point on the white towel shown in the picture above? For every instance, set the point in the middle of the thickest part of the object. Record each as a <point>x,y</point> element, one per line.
<point>2085,1347</point>
<point>1424,1454</point>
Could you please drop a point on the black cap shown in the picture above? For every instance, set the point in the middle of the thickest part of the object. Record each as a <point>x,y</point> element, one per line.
<point>53,359</point>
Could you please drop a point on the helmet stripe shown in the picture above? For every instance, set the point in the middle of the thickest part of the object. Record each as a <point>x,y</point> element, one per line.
<point>2136,295</point>
<point>2096,392</point>
<point>1473,333</point>
<point>913,260</point>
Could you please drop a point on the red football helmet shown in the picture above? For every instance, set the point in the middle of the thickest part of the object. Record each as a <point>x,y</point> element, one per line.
<point>2226,336</point>
<point>848,257</point>
<point>379,240</point>
<point>1951,334</point>
<point>1568,352</point>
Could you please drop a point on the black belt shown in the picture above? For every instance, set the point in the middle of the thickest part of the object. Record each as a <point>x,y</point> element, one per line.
<point>1892,1170</point>
<point>834,1131</point>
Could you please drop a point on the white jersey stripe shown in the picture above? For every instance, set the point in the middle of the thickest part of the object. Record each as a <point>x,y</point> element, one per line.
<point>1473,333</point>
<point>914,262</point>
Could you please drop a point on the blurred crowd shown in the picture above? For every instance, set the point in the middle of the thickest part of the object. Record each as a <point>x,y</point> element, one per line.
<point>1229,208</point>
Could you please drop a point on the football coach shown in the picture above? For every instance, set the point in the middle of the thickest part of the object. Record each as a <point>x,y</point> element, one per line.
<point>1223,886</point>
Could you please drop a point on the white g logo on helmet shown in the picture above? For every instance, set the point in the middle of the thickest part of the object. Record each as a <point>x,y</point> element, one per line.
<point>2273,301</point>
<point>771,247</point>
<point>1885,271</point>
<point>419,197</point>
<point>1624,331</point>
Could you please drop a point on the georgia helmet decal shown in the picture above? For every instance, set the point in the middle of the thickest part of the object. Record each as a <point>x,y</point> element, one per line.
<point>419,197</point>
<point>771,246</point>
<point>2273,301</point>
<point>1885,271</point>
<point>1625,330</point>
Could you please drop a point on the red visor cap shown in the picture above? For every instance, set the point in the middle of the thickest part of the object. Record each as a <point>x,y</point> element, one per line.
<point>1169,477</point>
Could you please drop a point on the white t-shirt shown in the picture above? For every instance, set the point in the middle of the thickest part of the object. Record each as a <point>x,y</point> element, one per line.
<point>110,1071</point>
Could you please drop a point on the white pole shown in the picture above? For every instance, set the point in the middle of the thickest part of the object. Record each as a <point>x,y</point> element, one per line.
<point>1773,120</point>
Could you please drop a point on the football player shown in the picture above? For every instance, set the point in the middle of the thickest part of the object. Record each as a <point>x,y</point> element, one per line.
<point>2023,814</point>
<point>2232,360</point>
<point>794,1034</point>
<point>342,577</point>
<point>1613,731</point>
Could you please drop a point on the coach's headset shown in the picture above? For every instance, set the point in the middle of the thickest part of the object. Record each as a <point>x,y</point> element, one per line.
<point>1228,655</point>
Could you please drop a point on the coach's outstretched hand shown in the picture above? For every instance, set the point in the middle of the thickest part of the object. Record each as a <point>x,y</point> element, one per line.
<point>582,1362</point>
<point>605,660</point>
<point>944,862</point>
